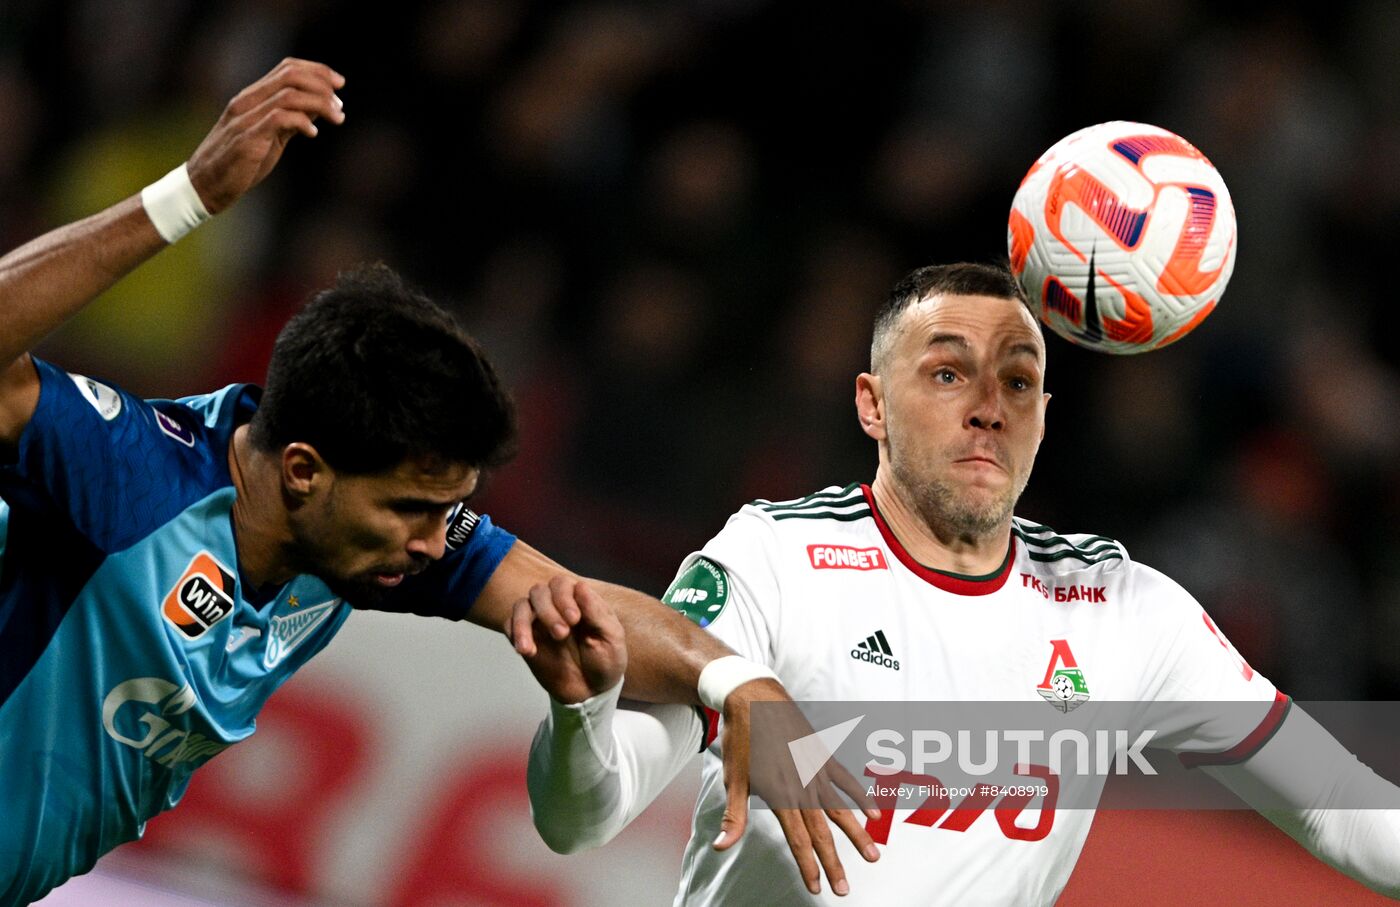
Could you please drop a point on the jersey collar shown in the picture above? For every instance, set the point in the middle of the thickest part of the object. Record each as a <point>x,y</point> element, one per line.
<point>956,583</point>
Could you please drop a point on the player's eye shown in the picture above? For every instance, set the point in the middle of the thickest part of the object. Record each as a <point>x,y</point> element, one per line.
<point>945,376</point>
<point>421,508</point>
<point>1020,383</point>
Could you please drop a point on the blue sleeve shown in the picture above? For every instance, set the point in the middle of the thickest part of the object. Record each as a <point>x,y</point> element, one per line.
<point>476,547</point>
<point>115,466</point>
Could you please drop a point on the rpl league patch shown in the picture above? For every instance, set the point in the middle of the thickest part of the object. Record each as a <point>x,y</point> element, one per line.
<point>700,592</point>
<point>104,399</point>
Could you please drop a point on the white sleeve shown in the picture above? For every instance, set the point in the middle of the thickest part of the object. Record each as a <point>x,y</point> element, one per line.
<point>594,766</point>
<point>1313,788</point>
<point>731,588</point>
<point>1208,704</point>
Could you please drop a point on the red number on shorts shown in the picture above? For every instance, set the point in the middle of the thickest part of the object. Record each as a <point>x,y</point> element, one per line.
<point>961,817</point>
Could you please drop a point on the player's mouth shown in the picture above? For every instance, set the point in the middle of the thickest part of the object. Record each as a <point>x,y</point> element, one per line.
<point>391,577</point>
<point>981,462</point>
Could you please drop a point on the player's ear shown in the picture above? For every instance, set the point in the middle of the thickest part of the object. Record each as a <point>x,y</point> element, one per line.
<point>870,405</point>
<point>1044,407</point>
<point>303,470</point>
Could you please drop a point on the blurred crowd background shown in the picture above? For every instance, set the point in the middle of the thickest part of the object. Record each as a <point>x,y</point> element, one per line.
<point>671,224</point>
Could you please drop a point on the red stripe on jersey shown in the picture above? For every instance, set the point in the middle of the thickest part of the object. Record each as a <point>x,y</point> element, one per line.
<point>948,582</point>
<point>1249,745</point>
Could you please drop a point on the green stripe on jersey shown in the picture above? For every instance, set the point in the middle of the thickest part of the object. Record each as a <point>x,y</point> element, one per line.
<point>854,515</point>
<point>816,499</point>
<point>833,504</point>
<point>1089,545</point>
<point>1091,550</point>
<point>1054,540</point>
<point>1088,559</point>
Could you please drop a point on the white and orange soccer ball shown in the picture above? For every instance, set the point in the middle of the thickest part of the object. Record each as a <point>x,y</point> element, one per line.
<point>1123,236</point>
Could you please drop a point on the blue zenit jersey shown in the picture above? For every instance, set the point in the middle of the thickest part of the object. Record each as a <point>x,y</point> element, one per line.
<point>129,655</point>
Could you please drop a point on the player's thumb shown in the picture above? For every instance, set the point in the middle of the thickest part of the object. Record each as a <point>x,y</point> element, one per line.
<point>736,815</point>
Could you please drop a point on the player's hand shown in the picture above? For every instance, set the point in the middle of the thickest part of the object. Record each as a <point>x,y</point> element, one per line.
<point>803,812</point>
<point>570,638</point>
<point>248,140</point>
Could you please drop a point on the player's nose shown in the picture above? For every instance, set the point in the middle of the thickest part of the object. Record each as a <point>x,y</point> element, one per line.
<point>986,410</point>
<point>429,542</point>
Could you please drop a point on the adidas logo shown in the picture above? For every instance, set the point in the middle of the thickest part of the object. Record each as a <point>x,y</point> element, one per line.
<point>876,650</point>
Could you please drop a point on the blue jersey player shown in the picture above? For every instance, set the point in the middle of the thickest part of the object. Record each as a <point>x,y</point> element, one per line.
<point>166,565</point>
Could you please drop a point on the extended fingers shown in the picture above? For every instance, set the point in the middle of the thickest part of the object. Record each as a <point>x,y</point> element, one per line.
<point>305,75</point>
<point>279,122</point>
<point>736,808</point>
<point>317,103</point>
<point>852,788</point>
<point>849,822</point>
<point>800,843</point>
<point>825,847</point>
<point>293,109</point>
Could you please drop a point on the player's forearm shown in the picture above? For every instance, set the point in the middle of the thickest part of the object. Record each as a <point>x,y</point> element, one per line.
<point>572,775</point>
<point>1313,788</point>
<point>46,281</point>
<point>594,767</point>
<point>1363,843</point>
<point>666,651</point>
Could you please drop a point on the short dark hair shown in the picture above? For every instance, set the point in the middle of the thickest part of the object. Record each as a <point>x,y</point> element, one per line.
<point>371,372</point>
<point>960,279</point>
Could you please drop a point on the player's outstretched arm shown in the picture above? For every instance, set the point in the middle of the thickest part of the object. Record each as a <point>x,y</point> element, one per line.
<point>594,767</point>
<point>47,280</point>
<point>666,652</point>
<point>1310,786</point>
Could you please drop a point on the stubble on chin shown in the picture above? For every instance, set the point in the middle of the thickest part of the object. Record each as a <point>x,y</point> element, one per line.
<point>949,509</point>
<point>358,593</point>
<point>956,511</point>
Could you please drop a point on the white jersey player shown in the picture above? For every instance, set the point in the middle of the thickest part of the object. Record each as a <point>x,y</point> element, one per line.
<point>921,587</point>
<point>823,591</point>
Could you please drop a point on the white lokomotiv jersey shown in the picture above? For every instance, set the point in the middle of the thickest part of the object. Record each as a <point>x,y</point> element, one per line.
<point>820,590</point>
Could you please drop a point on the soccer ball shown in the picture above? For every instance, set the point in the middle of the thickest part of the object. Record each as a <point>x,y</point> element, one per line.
<point>1063,687</point>
<point>1123,237</point>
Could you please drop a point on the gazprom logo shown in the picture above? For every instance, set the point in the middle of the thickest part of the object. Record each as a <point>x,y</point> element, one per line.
<point>148,714</point>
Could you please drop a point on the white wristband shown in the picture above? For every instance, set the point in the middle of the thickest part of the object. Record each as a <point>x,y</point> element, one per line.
<point>173,205</point>
<point>719,678</point>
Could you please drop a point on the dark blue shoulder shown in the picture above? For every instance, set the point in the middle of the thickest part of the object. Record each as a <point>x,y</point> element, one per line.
<point>207,420</point>
<point>116,466</point>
